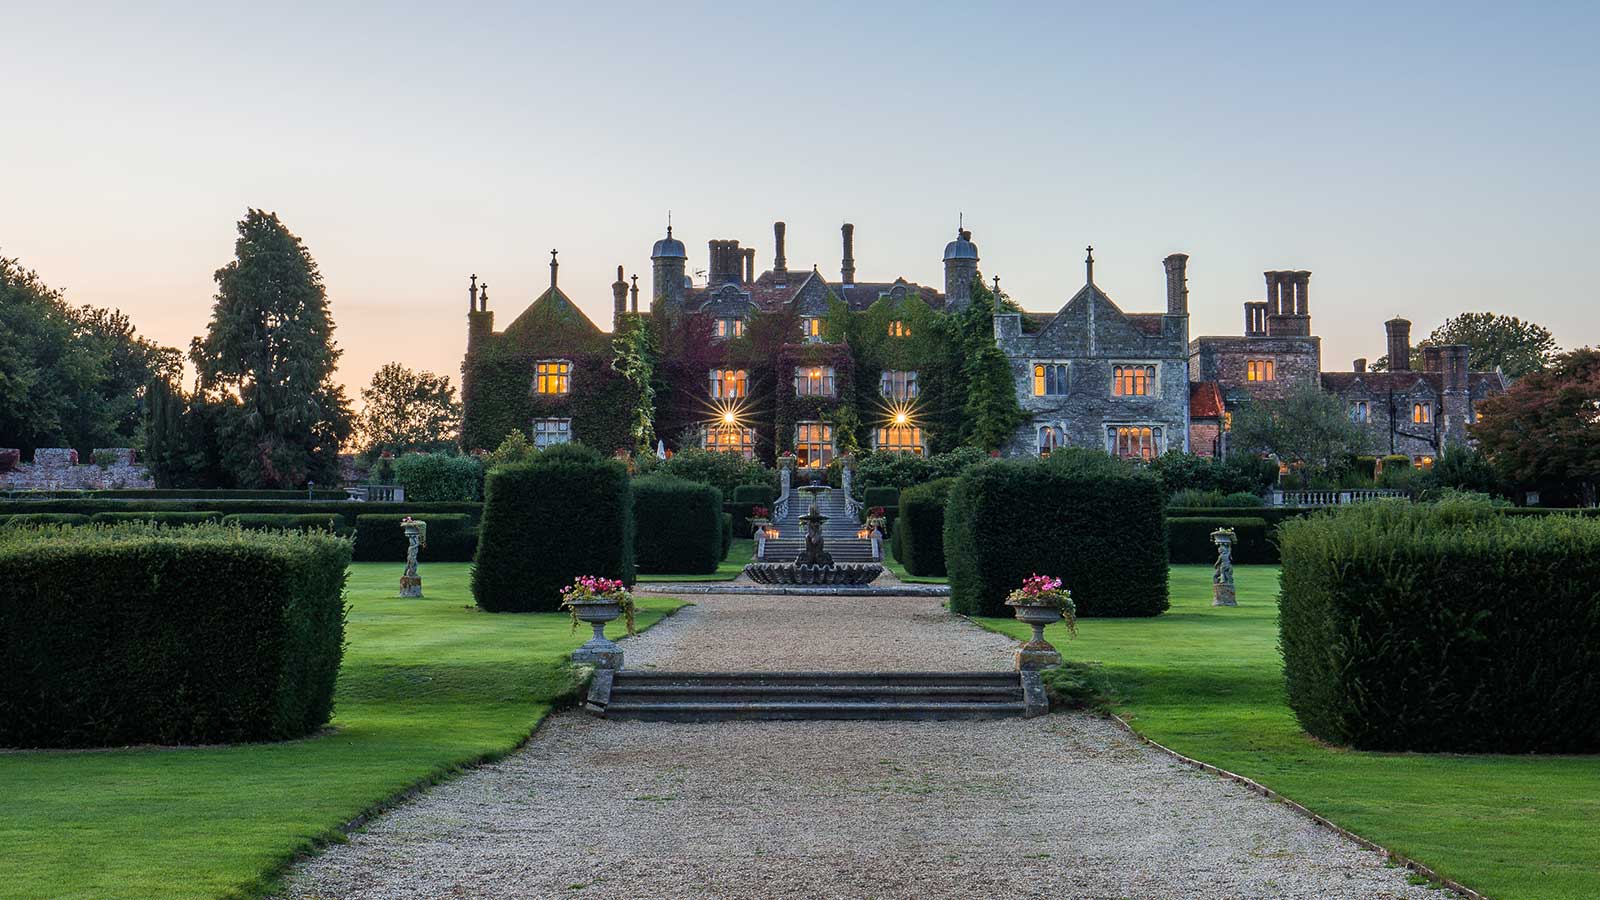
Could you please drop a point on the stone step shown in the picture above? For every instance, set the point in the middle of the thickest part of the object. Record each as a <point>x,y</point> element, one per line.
<point>721,696</point>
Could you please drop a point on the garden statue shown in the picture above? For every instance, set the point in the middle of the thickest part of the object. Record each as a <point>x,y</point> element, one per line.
<point>416,539</point>
<point>1222,593</point>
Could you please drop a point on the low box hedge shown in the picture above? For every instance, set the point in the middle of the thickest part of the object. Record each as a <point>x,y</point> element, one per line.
<point>157,518</point>
<point>281,521</point>
<point>677,526</point>
<point>921,531</point>
<point>1443,629</point>
<point>379,537</point>
<point>1189,540</point>
<point>1088,519</point>
<point>565,513</point>
<point>33,519</point>
<point>346,510</point>
<point>134,634</point>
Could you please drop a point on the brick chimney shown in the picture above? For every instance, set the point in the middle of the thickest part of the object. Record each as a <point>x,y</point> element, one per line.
<point>619,298</point>
<point>1359,366</point>
<point>1399,331</point>
<point>749,265</point>
<point>1255,318</point>
<point>727,263</point>
<point>1432,359</point>
<point>780,266</point>
<point>1177,284</point>
<point>847,265</point>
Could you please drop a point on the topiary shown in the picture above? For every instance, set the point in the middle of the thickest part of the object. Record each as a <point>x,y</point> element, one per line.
<point>920,528</point>
<point>677,526</point>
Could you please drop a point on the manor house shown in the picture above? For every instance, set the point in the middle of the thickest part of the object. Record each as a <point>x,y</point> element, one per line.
<point>797,362</point>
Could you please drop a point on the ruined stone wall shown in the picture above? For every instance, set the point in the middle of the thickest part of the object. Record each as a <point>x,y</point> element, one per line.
<point>59,469</point>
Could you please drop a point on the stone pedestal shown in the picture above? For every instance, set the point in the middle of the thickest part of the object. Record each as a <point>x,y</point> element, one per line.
<point>599,651</point>
<point>410,586</point>
<point>1222,595</point>
<point>1037,653</point>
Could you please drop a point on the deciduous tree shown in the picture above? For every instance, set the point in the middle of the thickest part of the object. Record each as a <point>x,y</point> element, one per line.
<point>408,410</point>
<point>1308,427</point>
<point>1545,430</point>
<point>1504,342</point>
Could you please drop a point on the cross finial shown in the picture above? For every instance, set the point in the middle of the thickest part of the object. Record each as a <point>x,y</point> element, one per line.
<point>669,223</point>
<point>472,295</point>
<point>997,287</point>
<point>1088,263</point>
<point>553,266</point>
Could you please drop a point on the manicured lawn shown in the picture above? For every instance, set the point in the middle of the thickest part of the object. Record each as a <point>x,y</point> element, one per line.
<point>1209,684</point>
<point>427,685</point>
<point>742,551</point>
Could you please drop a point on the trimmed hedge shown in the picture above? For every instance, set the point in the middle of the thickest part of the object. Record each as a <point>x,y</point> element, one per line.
<point>439,477</point>
<point>1189,540</point>
<point>565,513</point>
<point>379,537</point>
<point>157,518</point>
<point>1443,628</point>
<point>881,496</point>
<point>346,510</point>
<point>746,496</point>
<point>727,534</point>
<point>134,634</point>
<point>188,494</point>
<point>31,519</point>
<point>677,526</point>
<point>920,537</point>
<point>1094,523</point>
<point>280,522</point>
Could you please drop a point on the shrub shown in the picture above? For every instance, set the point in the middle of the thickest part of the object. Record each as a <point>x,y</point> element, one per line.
<point>723,471</point>
<point>899,471</point>
<point>727,534</point>
<point>120,635</point>
<point>677,526</point>
<point>881,496</point>
<point>1190,497</point>
<point>747,497</point>
<point>379,537</point>
<point>1450,627</point>
<point>1086,518</point>
<point>1366,467</point>
<point>439,477</point>
<point>1189,540</point>
<point>565,513</point>
<point>157,518</point>
<point>281,521</point>
<point>1233,474</point>
<point>33,519</point>
<point>1396,472</point>
<point>921,528</point>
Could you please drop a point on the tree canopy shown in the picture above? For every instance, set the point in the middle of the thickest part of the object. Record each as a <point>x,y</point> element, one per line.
<point>408,410</point>
<point>1308,427</point>
<point>1545,430</point>
<point>269,357</point>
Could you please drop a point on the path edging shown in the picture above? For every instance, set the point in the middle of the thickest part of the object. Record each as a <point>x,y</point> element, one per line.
<point>1259,788</point>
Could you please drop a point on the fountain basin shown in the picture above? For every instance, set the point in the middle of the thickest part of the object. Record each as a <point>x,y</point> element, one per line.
<point>800,573</point>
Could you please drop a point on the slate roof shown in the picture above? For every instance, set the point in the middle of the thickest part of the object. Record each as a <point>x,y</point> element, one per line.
<point>1478,383</point>
<point>1205,400</point>
<point>1146,323</point>
<point>551,311</point>
<point>768,295</point>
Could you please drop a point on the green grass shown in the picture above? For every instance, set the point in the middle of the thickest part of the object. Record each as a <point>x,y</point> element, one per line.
<point>427,686</point>
<point>899,571</point>
<point>1208,683</point>
<point>740,553</point>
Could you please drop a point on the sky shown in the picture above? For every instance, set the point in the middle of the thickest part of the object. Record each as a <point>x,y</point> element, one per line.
<point>1419,160</point>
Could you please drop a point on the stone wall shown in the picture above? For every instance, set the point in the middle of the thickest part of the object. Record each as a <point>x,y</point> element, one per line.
<point>58,469</point>
<point>1296,361</point>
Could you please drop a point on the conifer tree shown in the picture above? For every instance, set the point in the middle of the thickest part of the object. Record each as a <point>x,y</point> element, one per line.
<point>269,349</point>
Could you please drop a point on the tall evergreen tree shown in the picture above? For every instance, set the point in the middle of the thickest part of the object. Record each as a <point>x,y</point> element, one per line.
<point>270,345</point>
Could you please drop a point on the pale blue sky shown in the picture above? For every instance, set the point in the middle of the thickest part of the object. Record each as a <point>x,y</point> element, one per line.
<point>1419,160</point>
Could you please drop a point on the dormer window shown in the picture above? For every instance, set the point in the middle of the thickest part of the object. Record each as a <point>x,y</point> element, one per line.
<point>552,376</point>
<point>811,328</point>
<point>730,328</point>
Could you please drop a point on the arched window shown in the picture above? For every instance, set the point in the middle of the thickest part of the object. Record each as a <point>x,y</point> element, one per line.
<point>1135,441</point>
<point>1422,413</point>
<point>898,328</point>
<point>1049,379</point>
<point>728,384</point>
<point>1133,380</point>
<point>1049,439</point>
<point>1259,370</point>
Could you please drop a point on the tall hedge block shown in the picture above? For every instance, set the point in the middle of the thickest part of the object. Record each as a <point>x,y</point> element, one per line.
<point>1189,540</point>
<point>920,534</point>
<point>1099,528</point>
<point>137,634</point>
<point>1431,628</point>
<point>566,513</point>
<point>677,526</point>
<point>379,537</point>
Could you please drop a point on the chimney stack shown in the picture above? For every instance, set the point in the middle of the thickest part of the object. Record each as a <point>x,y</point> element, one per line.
<point>749,265</point>
<point>1359,366</point>
<point>1399,331</point>
<point>1432,359</point>
<point>619,298</point>
<point>847,266</point>
<point>780,266</point>
<point>1177,284</point>
<point>727,263</point>
<point>1255,318</point>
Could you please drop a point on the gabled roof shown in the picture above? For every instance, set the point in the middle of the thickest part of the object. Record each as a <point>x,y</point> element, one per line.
<point>1205,400</point>
<point>770,295</point>
<point>1479,383</point>
<point>550,314</point>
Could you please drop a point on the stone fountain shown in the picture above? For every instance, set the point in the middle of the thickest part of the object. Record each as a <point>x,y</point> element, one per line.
<point>813,565</point>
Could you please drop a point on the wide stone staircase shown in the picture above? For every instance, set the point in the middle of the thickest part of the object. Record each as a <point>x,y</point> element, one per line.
<point>838,533</point>
<point>723,696</point>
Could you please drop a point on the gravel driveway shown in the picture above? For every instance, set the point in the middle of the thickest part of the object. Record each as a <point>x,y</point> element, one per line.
<point>1064,806</point>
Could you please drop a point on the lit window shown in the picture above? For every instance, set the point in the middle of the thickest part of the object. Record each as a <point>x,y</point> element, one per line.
<point>813,445</point>
<point>1259,370</point>
<point>1133,381</point>
<point>811,328</point>
<point>727,384</point>
<point>552,376</point>
<point>1422,413</point>
<point>549,432</point>
<point>1049,439</point>
<point>727,328</point>
<point>898,328</point>
<point>1227,421</point>
<point>1422,462</point>
<point>730,439</point>
<point>813,381</point>
<point>1359,413</point>
<point>897,385</point>
<point>1135,441</point>
<point>899,439</point>
<point>1049,379</point>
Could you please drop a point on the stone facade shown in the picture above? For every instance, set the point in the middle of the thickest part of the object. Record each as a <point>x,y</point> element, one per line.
<point>59,469</point>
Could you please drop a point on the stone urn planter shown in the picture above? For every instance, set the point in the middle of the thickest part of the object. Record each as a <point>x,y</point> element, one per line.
<point>1041,601</point>
<point>598,601</point>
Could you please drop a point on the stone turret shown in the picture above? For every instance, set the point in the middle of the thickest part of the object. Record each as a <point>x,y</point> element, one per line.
<point>960,268</point>
<point>667,262</point>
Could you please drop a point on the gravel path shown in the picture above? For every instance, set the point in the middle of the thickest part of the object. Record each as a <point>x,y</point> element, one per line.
<point>1064,806</point>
